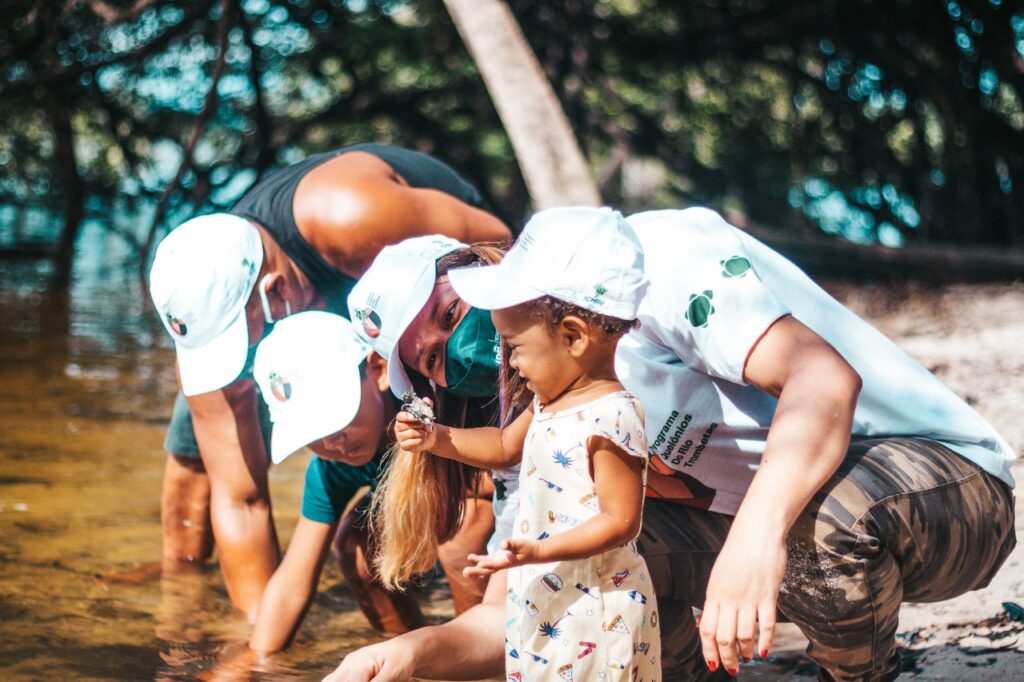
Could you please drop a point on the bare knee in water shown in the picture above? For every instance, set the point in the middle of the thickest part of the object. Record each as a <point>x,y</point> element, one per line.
<point>185,512</point>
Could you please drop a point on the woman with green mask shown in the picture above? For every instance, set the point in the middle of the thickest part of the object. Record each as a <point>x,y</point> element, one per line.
<point>456,363</point>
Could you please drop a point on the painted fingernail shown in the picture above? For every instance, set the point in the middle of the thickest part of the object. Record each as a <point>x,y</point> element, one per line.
<point>746,659</point>
<point>764,653</point>
<point>732,673</point>
<point>712,666</point>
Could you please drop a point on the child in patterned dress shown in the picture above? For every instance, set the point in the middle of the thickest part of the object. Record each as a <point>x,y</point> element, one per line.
<point>581,605</point>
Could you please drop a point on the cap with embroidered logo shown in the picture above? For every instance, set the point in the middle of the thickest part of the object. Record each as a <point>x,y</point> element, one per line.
<point>308,372</point>
<point>392,292</point>
<point>590,257</point>
<point>202,276</point>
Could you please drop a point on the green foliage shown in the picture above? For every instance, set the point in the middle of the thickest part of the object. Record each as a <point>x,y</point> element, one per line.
<point>894,120</point>
<point>889,120</point>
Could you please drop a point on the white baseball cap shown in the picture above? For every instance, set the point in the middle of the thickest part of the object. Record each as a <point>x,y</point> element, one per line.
<point>308,372</point>
<point>590,257</point>
<point>392,292</point>
<point>202,276</point>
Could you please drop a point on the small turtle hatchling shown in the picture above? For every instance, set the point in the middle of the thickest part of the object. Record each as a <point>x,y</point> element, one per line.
<point>418,408</point>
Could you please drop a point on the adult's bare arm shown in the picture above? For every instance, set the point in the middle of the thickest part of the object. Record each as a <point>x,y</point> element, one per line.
<point>808,438</point>
<point>227,428</point>
<point>292,587</point>
<point>354,205</point>
<point>469,647</point>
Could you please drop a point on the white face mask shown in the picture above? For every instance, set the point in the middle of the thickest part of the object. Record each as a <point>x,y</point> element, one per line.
<point>265,302</point>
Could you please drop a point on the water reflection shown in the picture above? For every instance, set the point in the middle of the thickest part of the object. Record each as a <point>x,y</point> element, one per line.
<point>203,638</point>
<point>87,379</point>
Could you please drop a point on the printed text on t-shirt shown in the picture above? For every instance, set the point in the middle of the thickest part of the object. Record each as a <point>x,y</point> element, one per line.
<point>671,454</point>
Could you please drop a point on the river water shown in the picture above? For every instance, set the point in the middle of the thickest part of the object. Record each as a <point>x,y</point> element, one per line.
<point>87,377</point>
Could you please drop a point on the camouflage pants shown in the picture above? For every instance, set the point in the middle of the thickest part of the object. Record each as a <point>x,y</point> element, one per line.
<point>902,520</point>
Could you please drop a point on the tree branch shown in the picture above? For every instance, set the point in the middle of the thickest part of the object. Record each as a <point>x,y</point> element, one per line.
<point>69,181</point>
<point>112,15</point>
<point>260,115</point>
<point>8,88</point>
<point>205,115</point>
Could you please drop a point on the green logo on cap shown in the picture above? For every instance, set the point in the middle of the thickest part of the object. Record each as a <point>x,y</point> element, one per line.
<point>596,300</point>
<point>249,265</point>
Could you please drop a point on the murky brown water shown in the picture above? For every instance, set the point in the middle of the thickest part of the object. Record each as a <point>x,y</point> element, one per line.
<point>87,380</point>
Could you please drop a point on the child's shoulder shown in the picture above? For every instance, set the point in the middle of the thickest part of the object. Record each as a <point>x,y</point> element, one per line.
<point>614,403</point>
<point>621,400</point>
<point>619,417</point>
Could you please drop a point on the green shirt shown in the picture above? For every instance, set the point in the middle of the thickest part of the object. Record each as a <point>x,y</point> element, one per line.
<point>331,485</point>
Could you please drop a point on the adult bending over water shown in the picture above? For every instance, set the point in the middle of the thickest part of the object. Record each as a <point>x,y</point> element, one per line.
<point>296,241</point>
<point>804,463</point>
<point>327,390</point>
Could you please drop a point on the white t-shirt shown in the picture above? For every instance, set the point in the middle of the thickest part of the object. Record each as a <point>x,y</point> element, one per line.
<point>714,292</point>
<point>505,505</point>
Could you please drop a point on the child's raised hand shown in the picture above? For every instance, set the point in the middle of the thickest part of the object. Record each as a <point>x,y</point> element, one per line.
<point>513,552</point>
<point>412,434</point>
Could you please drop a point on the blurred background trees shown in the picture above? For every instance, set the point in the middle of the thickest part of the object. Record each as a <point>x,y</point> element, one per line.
<point>891,122</point>
<point>551,161</point>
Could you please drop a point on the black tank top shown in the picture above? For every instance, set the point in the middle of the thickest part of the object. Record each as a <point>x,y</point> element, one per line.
<point>269,203</point>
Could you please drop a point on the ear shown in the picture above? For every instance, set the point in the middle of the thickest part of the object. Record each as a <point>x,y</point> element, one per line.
<point>275,281</point>
<point>377,371</point>
<point>576,334</point>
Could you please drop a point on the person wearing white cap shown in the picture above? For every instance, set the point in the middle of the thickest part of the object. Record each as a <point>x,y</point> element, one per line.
<point>326,390</point>
<point>782,429</point>
<point>584,449</point>
<point>383,307</point>
<point>296,241</point>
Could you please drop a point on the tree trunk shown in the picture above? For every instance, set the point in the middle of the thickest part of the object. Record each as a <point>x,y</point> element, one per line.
<point>550,158</point>
<point>66,173</point>
<point>834,258</point>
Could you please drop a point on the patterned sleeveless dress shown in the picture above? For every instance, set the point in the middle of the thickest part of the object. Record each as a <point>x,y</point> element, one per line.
<point>587,619</point>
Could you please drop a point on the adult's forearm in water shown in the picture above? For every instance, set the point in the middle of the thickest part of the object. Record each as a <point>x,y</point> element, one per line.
<point>227,429</point>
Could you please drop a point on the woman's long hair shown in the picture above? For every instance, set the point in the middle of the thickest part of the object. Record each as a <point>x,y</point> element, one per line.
<point>421,499</point>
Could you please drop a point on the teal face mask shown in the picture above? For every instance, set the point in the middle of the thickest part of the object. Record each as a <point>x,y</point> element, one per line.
<point>471,356</point>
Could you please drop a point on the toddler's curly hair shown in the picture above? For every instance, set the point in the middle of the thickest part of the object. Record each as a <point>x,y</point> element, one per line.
<point>551,311</point>
<point>548,310</point>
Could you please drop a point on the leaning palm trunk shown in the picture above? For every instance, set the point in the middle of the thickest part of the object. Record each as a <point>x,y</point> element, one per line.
<point>553,166</point>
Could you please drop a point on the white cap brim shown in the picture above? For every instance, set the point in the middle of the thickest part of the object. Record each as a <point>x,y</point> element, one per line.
<point>213,366</point>
<point>317,417</point>
<point>490,287</point>
<point>398,378</point>
<point>396,287</point>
